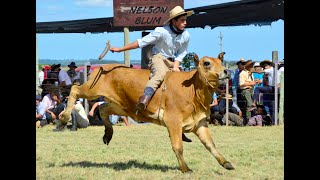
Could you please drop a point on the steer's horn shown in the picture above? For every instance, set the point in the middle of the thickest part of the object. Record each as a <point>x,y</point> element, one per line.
<point>104,52</point>
<point>220,56</point>
<point>195,59</point>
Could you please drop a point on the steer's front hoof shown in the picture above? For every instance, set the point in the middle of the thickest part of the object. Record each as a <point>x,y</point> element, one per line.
<point>228,166</point>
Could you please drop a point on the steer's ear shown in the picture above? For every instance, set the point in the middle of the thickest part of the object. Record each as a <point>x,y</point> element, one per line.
<point>220,56</point>
<point>195,59</point>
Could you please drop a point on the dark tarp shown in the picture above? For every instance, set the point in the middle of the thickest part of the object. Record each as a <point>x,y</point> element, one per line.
<point>237,13</point>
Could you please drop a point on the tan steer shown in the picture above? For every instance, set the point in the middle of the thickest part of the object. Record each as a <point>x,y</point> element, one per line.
<point>181,104</point>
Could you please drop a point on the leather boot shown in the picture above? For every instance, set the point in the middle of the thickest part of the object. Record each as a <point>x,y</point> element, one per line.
<point>74,122</point>
<point>185,139</point>
<point>143,102</point>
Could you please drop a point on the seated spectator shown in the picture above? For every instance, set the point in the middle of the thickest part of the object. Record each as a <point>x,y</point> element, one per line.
<point>40,113</point>
<point>46,85</point>
<point>94,113</point>
<point>214,110</point>
<point>260,117</point>
<point>234,120</point>
<point>113,118</point>
<point>79,117</point>
<point>235,114</point>
<point>53,104</point>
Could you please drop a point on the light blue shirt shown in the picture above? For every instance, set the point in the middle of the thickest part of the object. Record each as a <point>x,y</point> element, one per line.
<point>214,96</point>
<point>41,109</point>
<point>167,43</point>
<point>236,78</point>
<point>113,118</point>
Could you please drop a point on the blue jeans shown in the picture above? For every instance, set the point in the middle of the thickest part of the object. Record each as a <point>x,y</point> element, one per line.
<point>268,93</point>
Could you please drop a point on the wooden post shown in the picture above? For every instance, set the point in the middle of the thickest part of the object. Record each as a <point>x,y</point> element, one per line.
<point>275,73</point>
<point>227,99</point>
<point>126,41</point>
<point>37,66</point>
<point>281,105</point>
<point>85,79</point>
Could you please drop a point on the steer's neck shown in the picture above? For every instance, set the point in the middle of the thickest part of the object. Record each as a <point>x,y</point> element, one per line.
<point>203,92</point>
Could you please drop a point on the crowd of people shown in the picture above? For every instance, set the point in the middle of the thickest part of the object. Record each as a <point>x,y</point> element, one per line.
<point>254,87</point>
<point>56,86</point>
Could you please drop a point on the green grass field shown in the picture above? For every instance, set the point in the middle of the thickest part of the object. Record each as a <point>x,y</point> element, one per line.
<point>144,152</point>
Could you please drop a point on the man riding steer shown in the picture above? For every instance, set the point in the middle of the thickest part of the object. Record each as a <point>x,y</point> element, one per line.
<point>181,104</point>
<point>170,46</point>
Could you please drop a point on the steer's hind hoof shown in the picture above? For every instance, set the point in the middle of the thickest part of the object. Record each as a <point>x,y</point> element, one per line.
<point>228,166</point>
<point>187,171</point>
<point>106,140</point>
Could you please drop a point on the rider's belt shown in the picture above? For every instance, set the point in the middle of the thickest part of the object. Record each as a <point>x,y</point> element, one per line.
<point>171,59</point>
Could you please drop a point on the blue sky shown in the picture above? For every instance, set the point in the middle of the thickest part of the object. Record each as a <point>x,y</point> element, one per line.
<point>250,42</point>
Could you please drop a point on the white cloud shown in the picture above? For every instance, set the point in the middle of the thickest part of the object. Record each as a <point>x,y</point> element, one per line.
<point>94,3</point>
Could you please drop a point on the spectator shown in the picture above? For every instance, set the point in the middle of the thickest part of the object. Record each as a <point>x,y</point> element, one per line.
<point>233,107</point>
<point>41,76</point>
<point>260,117</point>
<point>74,76</point>
<point>235,114</point>
<point>46,69</point>
<point>46,85</point>
<point>240,67</point>
<point>64,79</point>
<point>40,113</point>
<point>234,120</point>
<point>113,118</point>
<point>246,85</point>
<point>81,72</point>
<point>238,96</point>
<point>54,105</point>
<point>258,77</point>
<point>94,113</point>
<point>268,88</point>
<point>214,109</point>
<point>280,71</point>
<point>79,117</point>
<point>222,89</point>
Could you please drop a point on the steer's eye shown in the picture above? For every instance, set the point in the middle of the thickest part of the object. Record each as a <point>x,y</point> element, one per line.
<point>206,63</point>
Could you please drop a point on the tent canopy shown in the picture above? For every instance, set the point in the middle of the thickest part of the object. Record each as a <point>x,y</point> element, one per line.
<point>237,13</point>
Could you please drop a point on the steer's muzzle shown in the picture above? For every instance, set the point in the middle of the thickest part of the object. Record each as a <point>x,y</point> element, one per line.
<point>225,74</point>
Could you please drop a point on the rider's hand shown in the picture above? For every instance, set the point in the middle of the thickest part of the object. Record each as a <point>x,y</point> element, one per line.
<point>176,69</point>
<point>115,49</point>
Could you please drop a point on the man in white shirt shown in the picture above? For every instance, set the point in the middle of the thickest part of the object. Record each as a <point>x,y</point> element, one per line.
<point>64,79</point>
<point>170,47</point>
<point>73,74</point>
<point>79,118</point>
<point>268,88</point>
